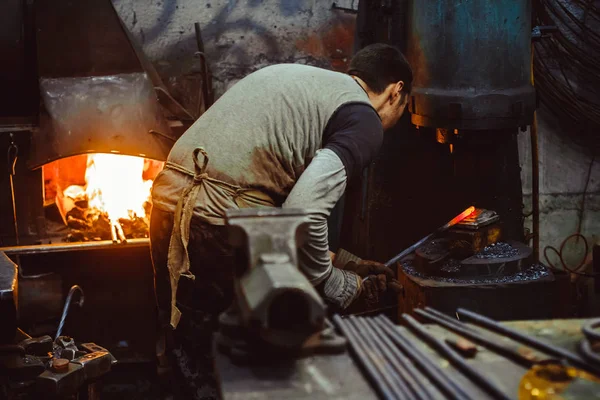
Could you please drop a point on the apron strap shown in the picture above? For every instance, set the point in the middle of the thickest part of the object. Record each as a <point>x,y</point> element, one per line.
<point>178,258</point>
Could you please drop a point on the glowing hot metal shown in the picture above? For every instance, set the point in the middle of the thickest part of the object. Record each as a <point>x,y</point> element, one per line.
<point>450,223</point>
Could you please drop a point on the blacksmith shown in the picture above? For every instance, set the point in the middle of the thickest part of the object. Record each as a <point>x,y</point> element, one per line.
<point>287,135</point>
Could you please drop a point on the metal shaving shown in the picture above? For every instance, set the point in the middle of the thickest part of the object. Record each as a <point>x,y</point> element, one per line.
<point>497,250</point>
<point>534,272</point>
<point>451,266</point>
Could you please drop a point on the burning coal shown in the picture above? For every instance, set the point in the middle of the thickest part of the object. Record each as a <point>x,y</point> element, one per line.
<point>115,201</point>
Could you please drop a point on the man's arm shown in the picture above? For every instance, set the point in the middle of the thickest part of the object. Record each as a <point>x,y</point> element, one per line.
<point>351,140</point>
<point>318,190</point>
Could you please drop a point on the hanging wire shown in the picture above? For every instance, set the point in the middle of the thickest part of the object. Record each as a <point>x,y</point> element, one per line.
<point>567,67</point>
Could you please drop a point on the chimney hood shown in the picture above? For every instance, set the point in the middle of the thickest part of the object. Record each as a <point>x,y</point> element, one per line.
<point>96,94</point>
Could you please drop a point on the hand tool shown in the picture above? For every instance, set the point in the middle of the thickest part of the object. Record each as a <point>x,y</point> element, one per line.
<point>441,229</point>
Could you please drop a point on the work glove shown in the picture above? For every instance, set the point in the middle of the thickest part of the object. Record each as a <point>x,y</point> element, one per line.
<point>376,279</point>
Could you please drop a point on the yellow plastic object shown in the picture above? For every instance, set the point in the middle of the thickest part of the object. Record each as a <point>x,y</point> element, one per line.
<point>557,382</point>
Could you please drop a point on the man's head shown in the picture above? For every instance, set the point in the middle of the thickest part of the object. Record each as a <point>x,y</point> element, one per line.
<point>385,74</point>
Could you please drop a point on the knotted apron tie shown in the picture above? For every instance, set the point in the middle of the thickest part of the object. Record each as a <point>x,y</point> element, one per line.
<point>178,257</point>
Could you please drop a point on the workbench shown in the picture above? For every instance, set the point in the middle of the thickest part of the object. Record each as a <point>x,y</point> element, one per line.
<point>339,377</point>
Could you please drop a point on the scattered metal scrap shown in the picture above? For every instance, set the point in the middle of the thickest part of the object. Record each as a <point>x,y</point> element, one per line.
<point>497,250</point>
<point>534,272</point>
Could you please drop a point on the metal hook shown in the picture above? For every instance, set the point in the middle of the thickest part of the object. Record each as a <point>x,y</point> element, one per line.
<point>74,288</point>
<point>13,154</point>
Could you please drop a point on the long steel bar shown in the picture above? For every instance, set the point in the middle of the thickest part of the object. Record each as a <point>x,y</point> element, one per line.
<point>462,329</point>
<point>401,364</point>
<point>537,344</point>
<point>454,358</point>
<point>360,351</point>
<point>435,374</point>
<point>398,384</point>
<point>77,246</point>
<point>449,224</point>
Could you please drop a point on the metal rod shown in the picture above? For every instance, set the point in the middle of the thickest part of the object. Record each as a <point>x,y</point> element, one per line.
<point>463,330</point>
<point>13,156</point>
<point>449,224</point>
<point>454,358</point>
<point>74,289</point>
<point>401,364</point>
<point>433,371</point>
<point>377,360</point>
<point>76,246</point>
<point>206,88</point>
<point>526,339</point>
<point>120,233</point>
<point>398,383</point>
<point>199,41</point>
<point>113,233</point>
<point>359,350</point>
<point>535,178</point>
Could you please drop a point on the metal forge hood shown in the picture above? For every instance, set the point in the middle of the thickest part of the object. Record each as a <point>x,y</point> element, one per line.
<point>96,94</point>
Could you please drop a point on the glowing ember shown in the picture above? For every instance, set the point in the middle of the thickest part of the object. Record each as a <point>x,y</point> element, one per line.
<point>107,197</point>
<point>114,185</point>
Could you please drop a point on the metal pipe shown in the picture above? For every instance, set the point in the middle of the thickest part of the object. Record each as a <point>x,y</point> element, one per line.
<point>535,178</point>
<point>396,381</point>
<point>401,364</point>
<point>74,289</point>
<point>449,224</point>
<point>433,371</point>
<point>526,339</point>
<point>454,358</point>
<point>77,246</point>
<point>463,330</point>
<point>361,354</point>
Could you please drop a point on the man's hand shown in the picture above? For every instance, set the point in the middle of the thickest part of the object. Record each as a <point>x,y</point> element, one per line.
<point>377,278</point>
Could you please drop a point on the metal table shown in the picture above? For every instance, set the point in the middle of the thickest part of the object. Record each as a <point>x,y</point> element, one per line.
<point>339,377</point>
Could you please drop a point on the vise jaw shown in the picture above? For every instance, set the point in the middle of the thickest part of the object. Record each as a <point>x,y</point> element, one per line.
<point>275,302</point>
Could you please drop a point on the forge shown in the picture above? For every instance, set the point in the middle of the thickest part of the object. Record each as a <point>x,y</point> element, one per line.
<point>100,196</point>
<point>86,125</point>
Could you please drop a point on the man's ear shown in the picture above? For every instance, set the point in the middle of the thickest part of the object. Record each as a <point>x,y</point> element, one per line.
<point>394,91</point>
<point>398,88</point>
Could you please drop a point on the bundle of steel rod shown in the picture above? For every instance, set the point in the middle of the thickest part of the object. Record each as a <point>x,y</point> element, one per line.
<point>389,356</point>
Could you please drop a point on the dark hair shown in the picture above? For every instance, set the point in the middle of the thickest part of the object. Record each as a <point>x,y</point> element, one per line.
<point>380,64</point>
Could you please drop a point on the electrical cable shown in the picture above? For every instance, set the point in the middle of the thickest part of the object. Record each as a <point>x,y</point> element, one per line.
<point>569,56</point>
<point>578,234</point>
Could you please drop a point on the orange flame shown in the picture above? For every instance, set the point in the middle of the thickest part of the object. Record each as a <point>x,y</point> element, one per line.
<point>114,185</point>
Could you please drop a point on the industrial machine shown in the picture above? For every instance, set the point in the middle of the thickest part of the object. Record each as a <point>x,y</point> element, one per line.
<point>472,96</point>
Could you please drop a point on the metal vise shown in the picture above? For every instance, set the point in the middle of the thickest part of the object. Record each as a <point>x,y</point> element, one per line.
<point>275,305</point>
